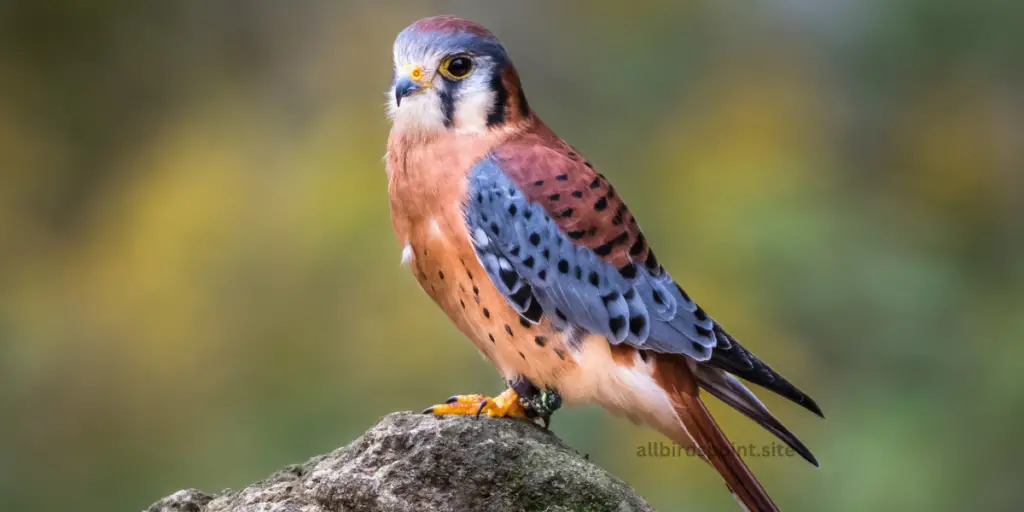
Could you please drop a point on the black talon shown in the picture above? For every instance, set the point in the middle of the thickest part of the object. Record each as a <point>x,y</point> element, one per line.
<point>428,410</point>
<point>536,402</point>
<point>481,409</point>
<point>452,399</point>
<point>547,421</point>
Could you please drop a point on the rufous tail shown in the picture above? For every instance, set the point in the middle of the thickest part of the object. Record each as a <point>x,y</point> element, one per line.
<point>674,375</point>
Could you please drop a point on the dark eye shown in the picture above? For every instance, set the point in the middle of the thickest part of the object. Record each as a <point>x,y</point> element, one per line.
<point>457,67</point>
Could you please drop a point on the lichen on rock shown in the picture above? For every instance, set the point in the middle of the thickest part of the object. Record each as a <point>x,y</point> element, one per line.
<point>414,462</point>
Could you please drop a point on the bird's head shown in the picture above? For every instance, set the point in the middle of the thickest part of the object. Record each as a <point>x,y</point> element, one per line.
<point>453,74</point>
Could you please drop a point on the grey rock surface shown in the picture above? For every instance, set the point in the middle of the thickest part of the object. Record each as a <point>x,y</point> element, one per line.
<point>415,462</point>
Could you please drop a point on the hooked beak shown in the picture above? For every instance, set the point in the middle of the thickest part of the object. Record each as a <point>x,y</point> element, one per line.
<point>404,87</point>
<point>411,81</point>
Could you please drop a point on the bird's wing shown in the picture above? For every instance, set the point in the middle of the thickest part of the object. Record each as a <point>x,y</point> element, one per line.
<point>732,357</point>
<point>557,241</point>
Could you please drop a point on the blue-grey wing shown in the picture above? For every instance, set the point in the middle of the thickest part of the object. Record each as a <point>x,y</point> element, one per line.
<point>543,272</point>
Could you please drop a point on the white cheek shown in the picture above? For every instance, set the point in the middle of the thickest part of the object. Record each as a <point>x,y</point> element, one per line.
<point>472,110</point>
<point>421,112</point>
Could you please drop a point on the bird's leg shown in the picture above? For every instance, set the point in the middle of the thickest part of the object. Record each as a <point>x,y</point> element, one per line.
<point>538,403</point>
<point>543,405</point>
<point>505,405</point>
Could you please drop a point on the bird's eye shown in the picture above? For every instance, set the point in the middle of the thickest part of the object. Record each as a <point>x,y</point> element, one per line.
<point>457,67</point>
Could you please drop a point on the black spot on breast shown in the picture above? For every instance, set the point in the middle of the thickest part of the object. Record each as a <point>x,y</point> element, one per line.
<point>508,329</point>
<point>596,183</point>
<point>491,336</point>
<point>592,231</point>
<point>560,353</point>
<point>476,291</point>
<point>522,356</point>
<point>542,275</point>
<point>554,197</point>
<point>540,341</point>
<point>515,251</point>
<point>535,239</point>
<point>578,194</point>
<point>630,293</point>
<point>594,278</point>
<point>527,214</point>
<point>529,262</point>
<point>479,198</point>
<point>637,324</point>
<point>462,303</point>
<point>616,323</point>
<point>512,209</point>
<point>575,235</point>
<point>566,212</point>
<point>470,274</point>
<point>440,275</point>
<point>610,297</point>
<point>494,229</point>
<point>601,204</point>
<point>658,299</point>
<point>546,253</point>
<point>538,183</point>
<point>562,177</point>
<point>487,313</point>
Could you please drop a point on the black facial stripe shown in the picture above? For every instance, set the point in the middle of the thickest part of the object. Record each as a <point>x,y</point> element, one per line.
<point>497,115</point>
<point>448,105</point>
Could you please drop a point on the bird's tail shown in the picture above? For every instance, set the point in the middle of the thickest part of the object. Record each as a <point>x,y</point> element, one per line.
<point>674,375</point>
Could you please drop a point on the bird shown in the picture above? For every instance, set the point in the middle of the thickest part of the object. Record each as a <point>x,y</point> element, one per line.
<point>535,257</point>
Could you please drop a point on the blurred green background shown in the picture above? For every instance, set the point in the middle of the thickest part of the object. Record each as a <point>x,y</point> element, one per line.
<point>199,282</point>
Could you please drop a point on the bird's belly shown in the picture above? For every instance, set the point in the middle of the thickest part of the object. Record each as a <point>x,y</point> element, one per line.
<point>619,379</point>
<point>441,256</point>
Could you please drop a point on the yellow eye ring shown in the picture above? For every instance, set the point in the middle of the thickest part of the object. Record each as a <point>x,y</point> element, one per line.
<point>456,67</point>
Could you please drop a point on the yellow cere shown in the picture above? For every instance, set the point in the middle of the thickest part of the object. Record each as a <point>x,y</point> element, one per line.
<point>416,73</point>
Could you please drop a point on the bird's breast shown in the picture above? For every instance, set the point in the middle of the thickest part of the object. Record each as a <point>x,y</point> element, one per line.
<point>428,188</point>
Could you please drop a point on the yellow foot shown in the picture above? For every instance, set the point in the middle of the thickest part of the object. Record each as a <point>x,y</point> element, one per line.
<point>505,405</point>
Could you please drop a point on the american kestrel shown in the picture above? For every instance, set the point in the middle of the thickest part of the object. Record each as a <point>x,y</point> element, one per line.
<point>538,261</point>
